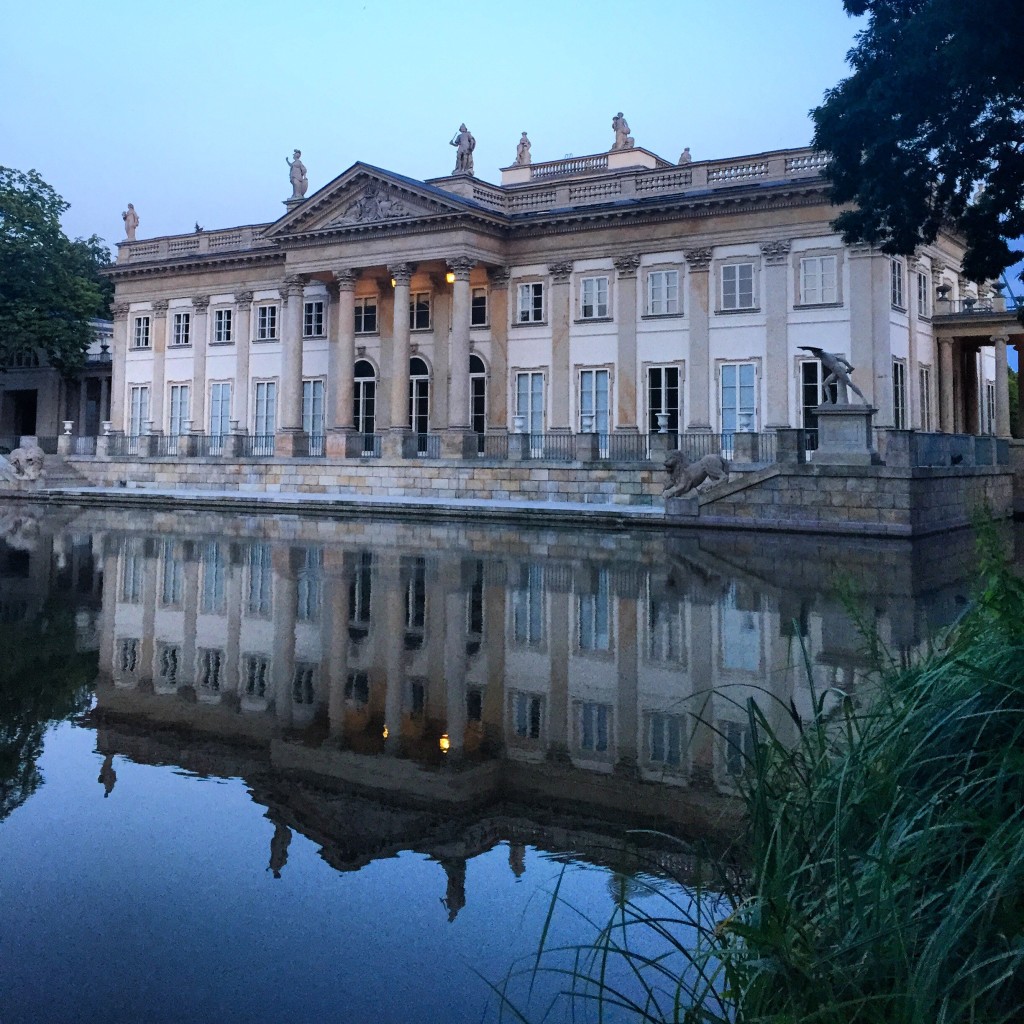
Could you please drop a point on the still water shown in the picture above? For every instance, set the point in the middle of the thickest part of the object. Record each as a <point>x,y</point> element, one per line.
<point>286,769</point>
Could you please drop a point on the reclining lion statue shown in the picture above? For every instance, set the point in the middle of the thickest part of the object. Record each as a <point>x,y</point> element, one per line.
<point>685,475</point>
<point>22,464</point>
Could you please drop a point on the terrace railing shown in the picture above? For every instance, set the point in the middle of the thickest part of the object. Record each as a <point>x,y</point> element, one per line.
<point>317,445</point>
<point>493,446</point>
<point>258,446</point>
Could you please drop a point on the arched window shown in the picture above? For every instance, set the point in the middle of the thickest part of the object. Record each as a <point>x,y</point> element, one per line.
<point>478,395</point>
<point>419,395</point>
<point>365,393</point>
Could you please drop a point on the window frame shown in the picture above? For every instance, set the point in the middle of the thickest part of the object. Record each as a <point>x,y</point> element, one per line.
<point>415,310</point>
<point>924,295</point>
<point>600,310</point>
<point>897,283</point>
<point>181,328</point>
<point>475,294</point>
<point>536,307</point>
<point>720,365</point>
<point>362,303</point>
<point>803,298</point>
<point>925,406</point>
<point>652,413</point>
<point>736,263</point>
<point>223,326</point>
<point>269,311</point>
<point>142,337</point>
<point>309,318</point>
<point>650,275</point>
<point>899,394</point>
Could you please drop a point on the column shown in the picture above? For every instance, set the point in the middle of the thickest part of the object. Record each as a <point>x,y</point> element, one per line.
<point>626,369</point>
<point>1002,387</point>
<point>401,274</point>
<point>776,353</point>
<point>946,424</point>
<point>458,351</point>
<point>83,386</point>
<point>1020,389</point>
<point>969,406</point>
<point>497,380</point>
<point>119,353</point>
<point>341,356</point>
<point>240,331</point>
<point>104,401</point>
<point>156,398</point>
<point>698,370</point>
<point>200,320</point>
<point>441,319</point>
<point>289,439</point>
<point>558,314</point>
<point>870,345</point>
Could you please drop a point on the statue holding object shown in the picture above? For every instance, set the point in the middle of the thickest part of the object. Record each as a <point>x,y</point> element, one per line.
<point>837,371</point>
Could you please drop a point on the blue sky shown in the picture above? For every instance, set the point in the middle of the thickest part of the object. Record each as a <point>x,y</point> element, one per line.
<point>188,109</point>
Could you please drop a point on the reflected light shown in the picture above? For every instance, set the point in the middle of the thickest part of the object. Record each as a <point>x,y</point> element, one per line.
<point>444,743</point>
<point>450,277</point>
<point>385,733</point>
<point>393,282</point>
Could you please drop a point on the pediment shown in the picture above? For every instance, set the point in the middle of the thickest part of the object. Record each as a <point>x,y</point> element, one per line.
<point>365,197</point>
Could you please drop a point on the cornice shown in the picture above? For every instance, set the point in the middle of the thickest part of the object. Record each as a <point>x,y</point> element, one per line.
<point>119,271</point>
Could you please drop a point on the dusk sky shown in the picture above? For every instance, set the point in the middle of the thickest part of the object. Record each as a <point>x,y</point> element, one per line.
<point>189,109</point>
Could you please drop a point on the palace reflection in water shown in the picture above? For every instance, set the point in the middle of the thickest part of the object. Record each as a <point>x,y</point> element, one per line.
<point>447,687</point>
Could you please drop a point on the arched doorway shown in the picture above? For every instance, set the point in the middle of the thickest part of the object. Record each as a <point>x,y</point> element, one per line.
<point>365,395</point>
<point>419,400</point>
<point>478,397</point>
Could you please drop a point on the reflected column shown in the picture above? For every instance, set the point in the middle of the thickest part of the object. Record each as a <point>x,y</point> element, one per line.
<point>391,635</point>
<point>186,550</point>
<point>626,657</point>
<point>285,561</point>
<point>337,597</point>
<point>558,648</point>
<point>455,619</point>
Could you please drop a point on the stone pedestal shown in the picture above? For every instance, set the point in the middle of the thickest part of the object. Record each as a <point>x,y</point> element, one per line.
<point>790,445</point>
<point>291,444</point>
<point>519,446</point>
<point>336,444</point>
<point>588,447</point>
<point>394,444</point>
<point>234,445</point>
<point>845,436</point>
<point>64,444</point>
<point>682,508</point>
<point>458,444</point>
<point>745,447</point>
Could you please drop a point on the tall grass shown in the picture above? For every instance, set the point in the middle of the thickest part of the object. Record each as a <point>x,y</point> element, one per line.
<point>886,871</point>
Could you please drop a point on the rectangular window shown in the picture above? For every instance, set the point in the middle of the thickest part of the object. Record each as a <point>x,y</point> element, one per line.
<point>129,650</point>
<point>478,308</point>
<point>220,409</point>
<point>138,421</point>
<point>419,311</point>
<point>663,393</point>
<point>310,586</point>
<point>738,286</point>
<point>266,323</point>
<point>738,397</point>
<point>178,418</point>
<point>182,325</point>
<point>896,282</point>
<point>924,295</point>
<point>528,715</point>
<point>530,307</point>
<point>221,326</point>
<point>211,667</point>
<point>811,396</point>
<point>740,629</point>
<point>530,401</point>
<point>595,616</point>
<point>140,335</point>
<point>594,298</point>
<point>173,582</point>
<point>899,394</point>
<point>528,607</point>
<point>214,592</point>
<point>818,285</point>
<point>990,407</point>
<point>665,739</point>
<point>663,292</point>
<point>261,581</point>
<point>265,422</point>
<point>168,658</point>
<point>594,726</point>
<point>313,319</point>
<point>132,575</point>
<point>366,315</point>
<point>924,376</point>
<point>594,388</point>
<point>257,671</point>
<point>313,414</point>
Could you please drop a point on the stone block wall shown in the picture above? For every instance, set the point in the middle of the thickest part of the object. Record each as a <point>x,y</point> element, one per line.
<point>611,483</point>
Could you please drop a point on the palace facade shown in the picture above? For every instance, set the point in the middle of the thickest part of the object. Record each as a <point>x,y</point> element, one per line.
<point>610,294</point>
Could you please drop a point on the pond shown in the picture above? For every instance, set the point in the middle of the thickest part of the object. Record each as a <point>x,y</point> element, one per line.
<point>292,769</point>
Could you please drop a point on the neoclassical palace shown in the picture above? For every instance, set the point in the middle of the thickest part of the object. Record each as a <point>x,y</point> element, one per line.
<point>611,294</point>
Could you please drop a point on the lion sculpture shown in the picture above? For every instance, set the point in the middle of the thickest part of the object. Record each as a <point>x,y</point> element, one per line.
<point>23,464</point>
<point>684,476</point>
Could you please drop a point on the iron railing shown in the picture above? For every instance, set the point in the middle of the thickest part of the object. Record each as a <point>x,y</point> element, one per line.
<point>258,446</point>
<point>493,446</point>
<point>559,447</point>
<point>428,446</point>
<point>168,445</point>
<point>48,445</point>
<point>371,446</point>
<point>83,446</point>
<point>317,445</point>
<point>124,445</point>
<point>624,447</point>
<point>206,445</point>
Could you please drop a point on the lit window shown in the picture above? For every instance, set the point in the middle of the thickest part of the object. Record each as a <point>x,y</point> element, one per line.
<point>366,316</point>
<point>738,286</point>
<point>663,292</point>
<point>266,323</point>
<point>594,298</point>
<point>313,319</point>
<point>419,311</point>
<point>221,326</point>
<point>140,337</point>
<point>478,308</point>
<point>531,303</point>
<point>182,325</point>
<point>818,280</point>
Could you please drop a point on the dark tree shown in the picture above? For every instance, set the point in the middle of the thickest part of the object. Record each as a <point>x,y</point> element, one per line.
<point>928,131</point>
<point>50,285</point>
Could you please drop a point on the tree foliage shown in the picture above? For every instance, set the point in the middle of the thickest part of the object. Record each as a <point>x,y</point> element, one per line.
<point>50,285</point>
<point>928,131</point>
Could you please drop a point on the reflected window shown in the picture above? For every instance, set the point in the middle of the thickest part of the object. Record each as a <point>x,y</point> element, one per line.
<point>528,606</point>
<point>594,614</point>
<point>737,746</point>
<point>261,581</point>
<point>357,689</point>
<point>132,575</point>
<point>173,575</point>
<point>257,671</point>
<point>360,590</point>
<point>168,658</point>
<point>415,602</point>
<point>128,654</point>
<point>214,564</point>
<point>310,588</point>
<point>475,625</point>
<point>593,722</point>
<point>474,705</point>
<point>528,715</point>
<point>665,739</point>
<point>740,629</point>
<point>416,697</point>
<point>304,682</point>
<point>666,631</point>
<point>211,667</point>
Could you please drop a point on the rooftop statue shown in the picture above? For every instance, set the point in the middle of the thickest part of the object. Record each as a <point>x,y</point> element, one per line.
<point>523,151</point>
<point>464,144</point>
<point>837,371</point>
<point>684,157</point>
<point>131,222</point>
<point>297,175</point>
<point>623,140</point>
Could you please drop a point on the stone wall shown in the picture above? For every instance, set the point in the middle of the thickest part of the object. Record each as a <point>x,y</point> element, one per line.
<point>611,483</point>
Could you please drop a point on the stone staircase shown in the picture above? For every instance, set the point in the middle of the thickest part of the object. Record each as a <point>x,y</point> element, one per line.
<point>59,473</point>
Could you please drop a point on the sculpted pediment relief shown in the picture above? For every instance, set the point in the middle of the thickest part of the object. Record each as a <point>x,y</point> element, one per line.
<point>377,201</point>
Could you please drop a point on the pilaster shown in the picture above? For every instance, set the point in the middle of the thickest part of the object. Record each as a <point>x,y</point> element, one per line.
<point>401,274</point>
<point>240,332</point>
<point>290,402</point>
<point>776,302</point>
<point>559,314</point>
<point>946,423</point>
<point>1002,410</point>
<point>119,355</point>
<point>341,360</point>
<point>200,323</point>
<point>698,374</point>
<point>156,399</point>
<point>497,379</point>
<point>626,314</point>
